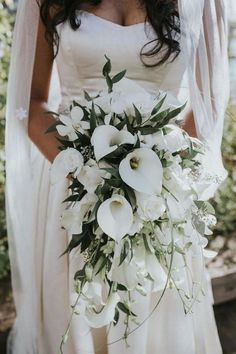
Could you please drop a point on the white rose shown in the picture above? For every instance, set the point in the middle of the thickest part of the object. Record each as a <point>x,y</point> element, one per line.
<point>150,208</point>
<point>69,160</point>
<point>173,141</point>
<point>72,219</point>
<point>91,176</point>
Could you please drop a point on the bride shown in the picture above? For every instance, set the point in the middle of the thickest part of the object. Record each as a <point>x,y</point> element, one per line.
<point>177,46</point>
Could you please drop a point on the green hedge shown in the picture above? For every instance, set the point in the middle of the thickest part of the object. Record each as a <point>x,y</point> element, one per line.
<point>6,25</point>
<point>225,199</point>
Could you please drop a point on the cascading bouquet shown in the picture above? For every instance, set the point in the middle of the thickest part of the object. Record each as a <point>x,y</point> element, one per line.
<point>135,209</point>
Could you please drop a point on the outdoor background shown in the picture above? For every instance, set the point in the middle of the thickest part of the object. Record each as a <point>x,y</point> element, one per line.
<point>222,269</point>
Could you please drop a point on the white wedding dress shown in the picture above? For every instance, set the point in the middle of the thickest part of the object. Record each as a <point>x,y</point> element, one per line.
<point>169,330</point>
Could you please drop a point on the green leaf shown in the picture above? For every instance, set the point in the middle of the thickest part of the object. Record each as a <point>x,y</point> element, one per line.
<point>158,106</point>
<point>114,182</point>
<point>109,83</point>
<point>75,242</point>
<point>53,128</point>
<point>118,77</point>
<point>113,171</point>
<point>176,111</point>
<point>130,195</point>
<point>179,250</point>
<point>124,252</point>
<point>125,309</point>
<point>93,119</point>
<point>107,67</point>
<point>121,287</point>
<point>103,263</point>
<point>121,125</point>
<point>82,139</point>
<point>72,198</point>
<point>87,96</point>
<point>159,117</point>
<point>116,317</point>
<point>138,115</point>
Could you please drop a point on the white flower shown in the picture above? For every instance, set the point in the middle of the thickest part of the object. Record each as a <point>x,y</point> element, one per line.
<point>21,113</point>
<point>107,139</point>
<point>91,176</point>
<point>127,94</point>
<point>125,274</point>
<point>115,217</point>
<point>105,317</point>
<point>72,219</point>
<point>173,141</point>
<point>147,263</point>
<point>142,170</point>
<point>136,226</point>
<point>73,123</point>
<point>69,160</point>
<point>103,101</point>
<point>150,208</point>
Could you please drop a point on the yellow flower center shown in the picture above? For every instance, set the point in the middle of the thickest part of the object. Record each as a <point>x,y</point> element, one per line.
<point>134,163</point>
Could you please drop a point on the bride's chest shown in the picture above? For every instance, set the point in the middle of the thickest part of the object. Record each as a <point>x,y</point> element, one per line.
<point>82,53</point>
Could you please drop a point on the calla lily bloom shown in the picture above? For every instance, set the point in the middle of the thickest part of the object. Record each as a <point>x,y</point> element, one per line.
<point>69,160</point>
<point>115,217</point>
<point>142,170</point>
<point>105,317</point>
<point>107,139</point>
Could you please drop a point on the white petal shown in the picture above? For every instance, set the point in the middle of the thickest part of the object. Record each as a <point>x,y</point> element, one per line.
<point>105,317</point>
<point>115,217</point>
<point>69,160</point>
<point>156,272</point>
<point>209,254</point>
<point>147,177</point>
<point>63,130</point>
<point>150,208</point>
<point>76,114</point>
<point>125,274</point>
<point>66,120</point>
<point>107,138</point>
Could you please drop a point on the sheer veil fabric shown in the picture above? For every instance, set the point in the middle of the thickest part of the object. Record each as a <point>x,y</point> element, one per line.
<point>204,44</point>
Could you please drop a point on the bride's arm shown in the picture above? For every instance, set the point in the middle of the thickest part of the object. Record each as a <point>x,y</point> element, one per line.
<point>189,125</point>
<point>38,120</point>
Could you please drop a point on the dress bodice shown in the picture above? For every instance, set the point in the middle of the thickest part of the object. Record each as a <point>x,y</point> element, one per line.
<point>81,57</point>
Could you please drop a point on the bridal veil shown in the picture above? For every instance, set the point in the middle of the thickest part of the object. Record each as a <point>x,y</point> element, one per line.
<point>204,44</point>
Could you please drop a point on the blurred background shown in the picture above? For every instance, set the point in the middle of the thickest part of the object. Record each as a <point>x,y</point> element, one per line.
<point>222,269</point>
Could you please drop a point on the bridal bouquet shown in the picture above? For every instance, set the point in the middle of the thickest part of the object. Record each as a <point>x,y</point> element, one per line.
<point>136,209</point>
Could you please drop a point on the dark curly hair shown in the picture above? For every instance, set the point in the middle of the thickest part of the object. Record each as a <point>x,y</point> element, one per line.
<point>162,14</point>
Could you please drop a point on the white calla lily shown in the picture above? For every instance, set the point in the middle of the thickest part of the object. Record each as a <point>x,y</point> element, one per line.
<point>69,160</point>
<point>107,139</point>
<point>142,170</point>
<point>105,317</point>
<point>115,217</point>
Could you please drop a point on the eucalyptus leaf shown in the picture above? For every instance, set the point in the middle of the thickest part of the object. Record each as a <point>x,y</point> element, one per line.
<point>118,76</point>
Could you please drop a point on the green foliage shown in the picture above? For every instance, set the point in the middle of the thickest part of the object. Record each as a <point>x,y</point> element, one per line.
<point>6,25</point>
<point>225,200</point>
